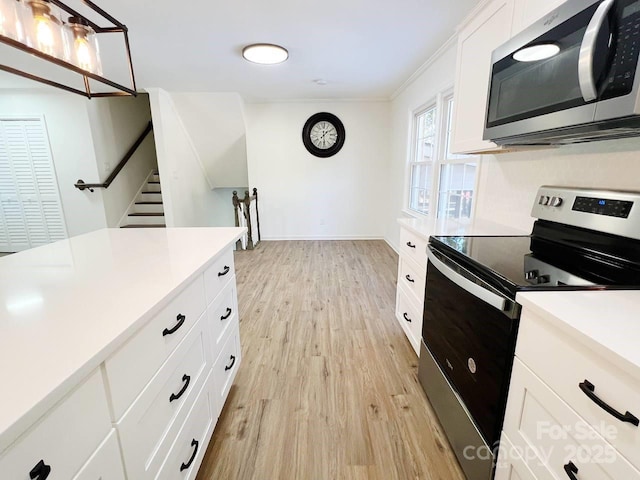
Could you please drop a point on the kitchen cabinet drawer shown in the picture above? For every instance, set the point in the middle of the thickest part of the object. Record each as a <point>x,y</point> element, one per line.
<point>412,279</point>
<point>552,435</point>
<point>187,451</point>
<point>223,313</point>
<point>157,414</point>
<point>105,463</point>
<point>510,464</point>
<point>218,274</point>
<point>226,367</point>
<point>65,437</point>
<point>132,366</point>
<point>414,247</point>
<point>565,364</point>
<point>409,315</point>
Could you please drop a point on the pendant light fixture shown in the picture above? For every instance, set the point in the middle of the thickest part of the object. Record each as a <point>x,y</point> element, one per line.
<point>45,31</point>
<point>84,50</point>
<point>37,27</point>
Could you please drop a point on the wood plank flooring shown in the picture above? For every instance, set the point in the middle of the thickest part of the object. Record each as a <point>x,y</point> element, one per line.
<point>328,386</point>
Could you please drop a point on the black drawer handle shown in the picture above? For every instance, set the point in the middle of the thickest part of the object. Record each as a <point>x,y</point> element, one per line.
<point>406,318</point>
<point>589,390</point>
<point>180,319</point>
<point>40,471</point>
<point>224,272</point>
<point>230,366</point>
<point>571,470</point>
<point>184,466</point>
<point>409,279</point>
<point>410,245</point>
<point>226,315</point>
<point>175,396</point>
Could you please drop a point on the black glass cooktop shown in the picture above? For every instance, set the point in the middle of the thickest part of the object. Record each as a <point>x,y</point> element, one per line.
<point>547,260</point>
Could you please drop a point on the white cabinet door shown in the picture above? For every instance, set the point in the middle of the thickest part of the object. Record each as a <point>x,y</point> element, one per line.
<point>476,41</point>
<point>30,207</point>
<point>527,12</point>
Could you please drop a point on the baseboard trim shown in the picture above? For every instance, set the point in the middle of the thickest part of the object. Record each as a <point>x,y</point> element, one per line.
<point>323,237</point>
<point>393,247</point>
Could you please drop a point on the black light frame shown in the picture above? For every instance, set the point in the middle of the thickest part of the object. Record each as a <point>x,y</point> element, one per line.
<point>117,28</point>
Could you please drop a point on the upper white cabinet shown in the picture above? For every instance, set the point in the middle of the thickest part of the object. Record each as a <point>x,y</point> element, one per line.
<point>528,11</point>
<point>477,38</point>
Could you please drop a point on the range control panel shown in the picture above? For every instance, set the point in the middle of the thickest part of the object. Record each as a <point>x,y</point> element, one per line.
<point>610,211</point>
<point>603,206</point>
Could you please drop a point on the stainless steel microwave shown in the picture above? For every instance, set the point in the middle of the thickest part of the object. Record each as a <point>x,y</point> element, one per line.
<point>570,77</point>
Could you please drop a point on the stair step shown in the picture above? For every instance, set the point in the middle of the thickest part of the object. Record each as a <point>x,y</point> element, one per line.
<point>154,182</point>
<point>149,203</point>
<point>148,214</point>
<point>157,225</point>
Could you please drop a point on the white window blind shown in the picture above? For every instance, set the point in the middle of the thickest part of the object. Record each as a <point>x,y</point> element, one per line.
<point>30,208</point>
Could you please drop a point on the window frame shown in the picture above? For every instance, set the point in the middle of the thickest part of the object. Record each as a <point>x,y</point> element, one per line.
<point>440,157</point>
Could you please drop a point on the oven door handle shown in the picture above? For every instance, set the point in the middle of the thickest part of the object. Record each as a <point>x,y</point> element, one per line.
<point>473,288</point>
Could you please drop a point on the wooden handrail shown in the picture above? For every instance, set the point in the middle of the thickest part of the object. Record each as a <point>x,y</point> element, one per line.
<point>81,185</point>
<point>244,204</point>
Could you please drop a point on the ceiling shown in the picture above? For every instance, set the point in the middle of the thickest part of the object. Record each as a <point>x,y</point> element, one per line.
<point>363,49</point>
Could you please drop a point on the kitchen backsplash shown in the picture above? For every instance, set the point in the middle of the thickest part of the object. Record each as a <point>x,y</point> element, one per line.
<point>508,182</point>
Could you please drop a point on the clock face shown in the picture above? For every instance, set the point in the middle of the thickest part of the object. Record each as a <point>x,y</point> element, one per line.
<point>323,134</point>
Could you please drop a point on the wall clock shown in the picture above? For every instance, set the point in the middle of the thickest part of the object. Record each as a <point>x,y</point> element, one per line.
<point>323,134</point>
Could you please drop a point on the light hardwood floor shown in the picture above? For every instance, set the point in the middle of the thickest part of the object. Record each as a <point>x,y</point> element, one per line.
<point>328,387</point>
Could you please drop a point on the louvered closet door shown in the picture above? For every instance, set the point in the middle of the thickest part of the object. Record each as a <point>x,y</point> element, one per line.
<point>31,211</point>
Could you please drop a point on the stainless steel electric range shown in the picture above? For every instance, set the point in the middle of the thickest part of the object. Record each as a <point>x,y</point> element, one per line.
<point>582,239</point>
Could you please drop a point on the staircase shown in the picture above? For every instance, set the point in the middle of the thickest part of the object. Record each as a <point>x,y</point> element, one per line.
<point>147,211</point>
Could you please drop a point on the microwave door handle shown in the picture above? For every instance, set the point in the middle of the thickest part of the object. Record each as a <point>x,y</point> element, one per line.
<point>588,86</point>
<point>473,288</point>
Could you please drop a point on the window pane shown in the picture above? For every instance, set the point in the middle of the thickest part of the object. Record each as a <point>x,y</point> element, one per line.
<point>421,168</point>
<point>456,193</point>
<point>420,187</point>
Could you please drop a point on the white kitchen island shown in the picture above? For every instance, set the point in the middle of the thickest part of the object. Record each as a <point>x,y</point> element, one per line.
<point>95,332</point>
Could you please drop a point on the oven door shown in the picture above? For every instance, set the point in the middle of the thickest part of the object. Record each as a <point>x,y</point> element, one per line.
<point>530,93</point>
<point>469,329</point>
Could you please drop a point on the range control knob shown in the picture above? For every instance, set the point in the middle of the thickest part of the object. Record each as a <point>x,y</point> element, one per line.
<point>544,200</point>
<point>555,201</point>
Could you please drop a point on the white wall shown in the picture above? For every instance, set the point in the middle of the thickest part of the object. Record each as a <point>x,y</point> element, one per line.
<point>435,76</point>
<point>216,126</point>
<point>508,182</point>
<point>188,198</point>
<point>116,123</point>
<point>306,197</point>
<point>72,149</point>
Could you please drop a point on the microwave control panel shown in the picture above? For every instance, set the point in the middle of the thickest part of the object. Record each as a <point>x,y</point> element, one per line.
<point>627,46</point>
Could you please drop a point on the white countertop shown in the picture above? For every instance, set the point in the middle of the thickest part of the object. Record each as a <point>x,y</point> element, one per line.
<point>607,322</point>
<point>428,226</point>
<point>65,307</point>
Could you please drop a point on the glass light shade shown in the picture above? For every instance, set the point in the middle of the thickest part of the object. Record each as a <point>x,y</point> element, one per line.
<point>265,54</point>
<point>45,31</point>
<point>535,53</point>
<point>83,46</point>
<point>11,18</point>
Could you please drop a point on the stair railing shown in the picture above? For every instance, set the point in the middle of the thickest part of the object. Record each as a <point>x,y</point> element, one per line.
<point>242,210</point>
<point>81,185</point>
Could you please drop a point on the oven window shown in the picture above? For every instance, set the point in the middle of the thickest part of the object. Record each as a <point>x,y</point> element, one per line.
<point>525,89</point>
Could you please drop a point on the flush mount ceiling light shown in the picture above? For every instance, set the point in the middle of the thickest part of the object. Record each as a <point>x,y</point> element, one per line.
<point>57,33</point>
<point>536,52</point>
<point>265,53</point>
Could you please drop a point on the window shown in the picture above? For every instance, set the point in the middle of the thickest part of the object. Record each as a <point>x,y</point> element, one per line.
<point>440,182</point>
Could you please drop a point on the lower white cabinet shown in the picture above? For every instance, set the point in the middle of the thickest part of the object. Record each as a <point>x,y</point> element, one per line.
<point>105,462</point>
<point>62,441</point>
<point>552,426</point>
<point>412,272</point>
<point>149,410</point>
